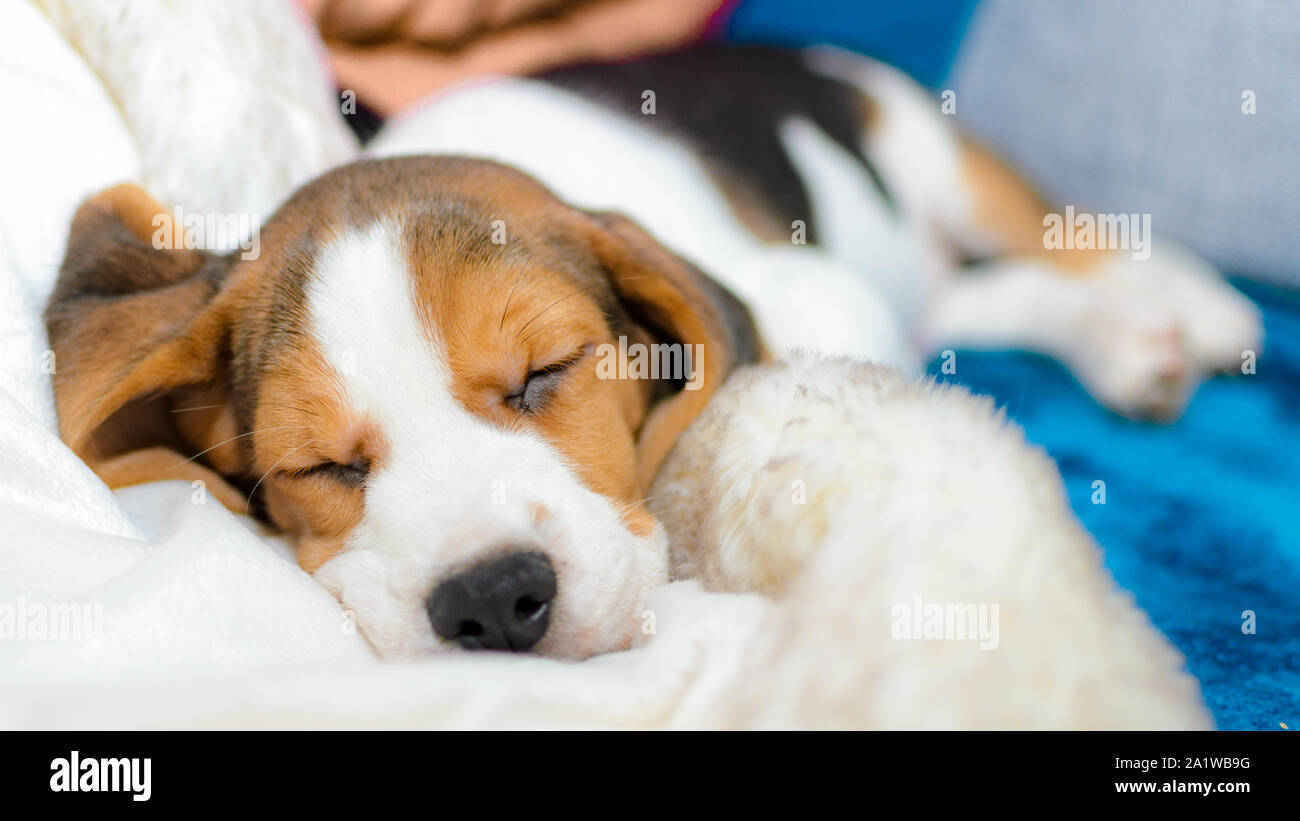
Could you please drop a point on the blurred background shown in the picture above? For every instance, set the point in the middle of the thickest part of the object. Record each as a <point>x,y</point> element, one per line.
<point>1185,110</point>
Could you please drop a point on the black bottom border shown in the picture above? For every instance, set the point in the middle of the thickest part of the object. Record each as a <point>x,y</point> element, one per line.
<point>240,769</point>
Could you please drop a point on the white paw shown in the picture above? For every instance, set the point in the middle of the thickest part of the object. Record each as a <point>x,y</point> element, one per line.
<point>1221,324</point>
<point>1152,330</point>
<point>1137,363</point>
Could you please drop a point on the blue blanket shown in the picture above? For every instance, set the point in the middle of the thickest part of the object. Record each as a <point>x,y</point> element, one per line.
<point>1199,519</point>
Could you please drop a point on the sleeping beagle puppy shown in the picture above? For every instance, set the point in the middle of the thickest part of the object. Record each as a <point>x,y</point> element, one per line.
<point>407,382</point>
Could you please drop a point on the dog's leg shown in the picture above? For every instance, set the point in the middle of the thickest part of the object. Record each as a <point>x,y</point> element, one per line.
<point>1002,215</point>
<point>1116,337</point>
<point>1138,330</point>
<point>1137,333</point>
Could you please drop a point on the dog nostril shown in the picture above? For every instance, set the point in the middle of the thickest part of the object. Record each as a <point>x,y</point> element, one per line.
<point>469,629</point>
<point>528,609</point>
<point>502,604</point>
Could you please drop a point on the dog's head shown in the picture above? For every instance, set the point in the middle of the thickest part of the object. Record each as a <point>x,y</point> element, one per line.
<point>448,388</point>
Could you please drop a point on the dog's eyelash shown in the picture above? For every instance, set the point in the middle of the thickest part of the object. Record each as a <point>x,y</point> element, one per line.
<point>352,474</point>
<point>539,384</point>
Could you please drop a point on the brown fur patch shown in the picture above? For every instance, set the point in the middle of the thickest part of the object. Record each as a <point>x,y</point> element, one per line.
<point>677,304</point>
<point>301,422</point>
<point>1011,211</point>
<point>747,204</point>
<point>500,313</point>
<point>128,323</point>
<point>592,421</point>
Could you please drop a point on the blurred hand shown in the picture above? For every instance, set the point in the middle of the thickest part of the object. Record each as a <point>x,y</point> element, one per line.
<point>394,52</point>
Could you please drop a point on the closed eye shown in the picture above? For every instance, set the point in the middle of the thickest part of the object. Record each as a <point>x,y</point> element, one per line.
<point>352,474</point>
<point>540,384</point>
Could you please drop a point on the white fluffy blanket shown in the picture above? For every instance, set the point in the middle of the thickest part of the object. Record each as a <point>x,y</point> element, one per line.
<point>169,611</point>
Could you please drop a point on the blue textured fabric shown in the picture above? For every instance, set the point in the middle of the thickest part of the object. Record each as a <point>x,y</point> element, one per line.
<point>920,37</point>
<point>1200,517</point>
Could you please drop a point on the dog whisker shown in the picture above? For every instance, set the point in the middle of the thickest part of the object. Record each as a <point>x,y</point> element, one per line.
<point>554,319</point>
<point>682,509</point>
<point>306,411</point>
<point>625,507</point>
<point>557,302</point>
<point>523,269</point>
<point>233,438</point>
<point>249,501</point>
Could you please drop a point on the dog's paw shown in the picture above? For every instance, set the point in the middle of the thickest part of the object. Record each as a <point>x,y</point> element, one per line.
<point>1133,356</point>
<point>1221,324</point>
<point>1154,329</point>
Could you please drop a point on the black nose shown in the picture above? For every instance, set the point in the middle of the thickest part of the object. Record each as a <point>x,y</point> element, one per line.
<point>503,604</point>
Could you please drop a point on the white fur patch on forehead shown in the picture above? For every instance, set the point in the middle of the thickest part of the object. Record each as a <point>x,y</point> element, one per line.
<point>364,318</point>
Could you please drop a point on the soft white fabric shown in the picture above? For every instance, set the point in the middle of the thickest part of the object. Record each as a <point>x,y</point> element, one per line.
<point>179,585</point>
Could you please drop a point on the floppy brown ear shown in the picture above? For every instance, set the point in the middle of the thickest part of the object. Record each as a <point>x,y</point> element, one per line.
<point>675,303</point>
<point>140,334</point>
